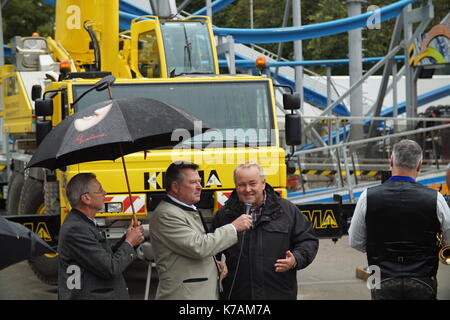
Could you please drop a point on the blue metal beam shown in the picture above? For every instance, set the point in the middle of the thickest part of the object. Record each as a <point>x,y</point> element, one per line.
<point>248,63</point>
<point>130,8</point>
<point>215,7</point>
<point>275,35</point>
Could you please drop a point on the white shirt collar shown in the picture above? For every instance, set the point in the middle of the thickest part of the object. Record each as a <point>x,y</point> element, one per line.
<point>182,203</point>
<point>94,221</point>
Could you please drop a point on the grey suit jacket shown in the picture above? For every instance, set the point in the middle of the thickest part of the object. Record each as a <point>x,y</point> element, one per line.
<point>88,267</point>
<point>184,252</point>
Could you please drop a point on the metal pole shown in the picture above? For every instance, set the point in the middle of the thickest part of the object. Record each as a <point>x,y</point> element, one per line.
<point>348,175</point>
<point>330,129</point>
<point>287,8</point>
<point>340,178</point>
<point>231,55</point>
<point>394,95</point>
<point>298,52</point>
<point>355,68</point>
<point>354,168</point>
<point>209,10</point>
<point>407,31</point>
<point>251,14</point>
<point>328,85</point>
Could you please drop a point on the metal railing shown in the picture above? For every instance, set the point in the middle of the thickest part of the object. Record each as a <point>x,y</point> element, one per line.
<point>345,158</point>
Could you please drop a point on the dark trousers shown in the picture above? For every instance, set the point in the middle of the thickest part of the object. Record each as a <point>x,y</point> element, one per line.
<point>406,288</point>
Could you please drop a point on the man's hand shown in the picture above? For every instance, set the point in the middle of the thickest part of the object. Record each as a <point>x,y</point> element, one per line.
<point>286,264</point>
<point>135,234</point>
<point>244,222</point>
<point>222,268</point>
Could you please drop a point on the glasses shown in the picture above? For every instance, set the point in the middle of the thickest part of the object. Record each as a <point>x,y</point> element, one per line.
<point>101,191</point>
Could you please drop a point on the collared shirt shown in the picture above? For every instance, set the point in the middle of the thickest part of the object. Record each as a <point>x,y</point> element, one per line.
<point>256,212</point>
<point>190,206</point>
<point>357,232</point>
<point>182,203</point>
<point>93,221</point>
<point>402,178</point>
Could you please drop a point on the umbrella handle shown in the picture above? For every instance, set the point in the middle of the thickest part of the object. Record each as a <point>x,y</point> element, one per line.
<point>134,218</point>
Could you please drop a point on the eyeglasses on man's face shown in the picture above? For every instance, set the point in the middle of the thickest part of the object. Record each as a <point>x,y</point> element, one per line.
<point>101,191</point>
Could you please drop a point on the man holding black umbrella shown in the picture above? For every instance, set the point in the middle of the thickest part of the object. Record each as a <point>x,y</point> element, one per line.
<point>88,267</point>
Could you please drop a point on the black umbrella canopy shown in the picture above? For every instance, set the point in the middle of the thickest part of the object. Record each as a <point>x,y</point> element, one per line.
<point>96,133</point>
<point>19,243</point>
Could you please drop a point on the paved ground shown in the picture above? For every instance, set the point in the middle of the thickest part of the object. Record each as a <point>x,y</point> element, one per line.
<point>18,282</point>
<point>330,277</point>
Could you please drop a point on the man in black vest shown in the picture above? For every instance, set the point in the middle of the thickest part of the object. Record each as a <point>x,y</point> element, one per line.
<point>396,223</point>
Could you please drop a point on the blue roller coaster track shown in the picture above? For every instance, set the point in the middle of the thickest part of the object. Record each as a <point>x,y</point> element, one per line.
<point>128,11</point>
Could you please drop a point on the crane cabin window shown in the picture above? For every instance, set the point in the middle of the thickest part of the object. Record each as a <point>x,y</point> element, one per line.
<point>187,48</point>
<point>241,111</point>
<point>148,55</point>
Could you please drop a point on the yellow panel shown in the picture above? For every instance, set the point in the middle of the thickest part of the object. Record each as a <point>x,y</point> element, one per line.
<point>17,109</point>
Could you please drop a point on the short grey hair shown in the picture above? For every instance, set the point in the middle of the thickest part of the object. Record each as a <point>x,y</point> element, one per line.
<point>407,154</point>
<point>78,186</point>
<point>248,165</point>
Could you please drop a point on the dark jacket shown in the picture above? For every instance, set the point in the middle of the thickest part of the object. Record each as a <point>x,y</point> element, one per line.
<point>88,267</point>
<point>281,227</point>
<point>402,225</point>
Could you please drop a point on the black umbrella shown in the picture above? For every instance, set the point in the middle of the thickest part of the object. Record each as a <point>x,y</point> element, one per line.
<point>18,243</point>
<point>110,129</point>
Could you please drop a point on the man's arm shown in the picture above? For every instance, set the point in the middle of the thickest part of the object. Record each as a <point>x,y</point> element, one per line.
<point>174,231</point>
<point>90,254</point>
<point>357,235</point>
<point>443,214</point>
<point>303,242</point>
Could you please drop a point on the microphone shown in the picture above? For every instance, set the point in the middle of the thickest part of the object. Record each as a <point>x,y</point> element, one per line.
<point>248,206</point>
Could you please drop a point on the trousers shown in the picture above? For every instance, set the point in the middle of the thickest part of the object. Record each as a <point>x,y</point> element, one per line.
<point>406,288</point>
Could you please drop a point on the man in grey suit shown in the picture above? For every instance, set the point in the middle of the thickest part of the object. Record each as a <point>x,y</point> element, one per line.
<point>184,251</point>
<point>88,267</point>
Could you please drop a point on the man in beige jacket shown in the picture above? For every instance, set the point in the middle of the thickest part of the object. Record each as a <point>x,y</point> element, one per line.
<point>184,251</point>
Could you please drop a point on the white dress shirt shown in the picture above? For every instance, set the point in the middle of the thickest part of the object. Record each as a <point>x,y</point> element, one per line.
<point>357,232</point>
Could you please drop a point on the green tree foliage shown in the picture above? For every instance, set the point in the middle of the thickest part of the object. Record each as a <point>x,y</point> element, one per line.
<point>23,17</point>
<point>269,14</point>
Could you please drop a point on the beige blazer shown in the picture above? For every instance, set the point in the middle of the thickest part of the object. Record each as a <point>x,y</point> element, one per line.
<point>184,252</point>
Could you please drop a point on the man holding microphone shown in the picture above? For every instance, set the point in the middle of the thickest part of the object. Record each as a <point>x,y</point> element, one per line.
<point>184,250</point>
<point>264,262</point>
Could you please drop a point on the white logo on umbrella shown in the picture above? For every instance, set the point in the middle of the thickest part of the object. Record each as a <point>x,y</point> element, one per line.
<point>87,122</point>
